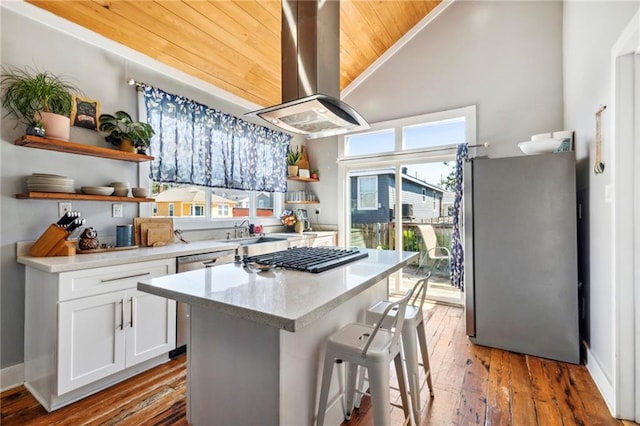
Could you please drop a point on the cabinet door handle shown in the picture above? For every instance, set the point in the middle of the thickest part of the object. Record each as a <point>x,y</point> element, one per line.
<point>131,322</point>
<point>124,278</point>
<point>121,314</point>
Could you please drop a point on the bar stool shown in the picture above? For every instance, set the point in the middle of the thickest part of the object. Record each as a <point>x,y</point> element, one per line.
<point>373,348</point>
<point>413,324</point>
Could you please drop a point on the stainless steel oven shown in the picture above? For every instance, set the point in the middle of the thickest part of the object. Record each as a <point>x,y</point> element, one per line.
<point>190,263</point>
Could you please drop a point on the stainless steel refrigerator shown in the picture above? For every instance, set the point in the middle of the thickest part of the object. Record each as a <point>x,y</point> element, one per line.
<point>520,240</point>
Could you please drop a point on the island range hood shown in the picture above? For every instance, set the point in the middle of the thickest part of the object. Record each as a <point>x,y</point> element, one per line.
<point>311,73</point>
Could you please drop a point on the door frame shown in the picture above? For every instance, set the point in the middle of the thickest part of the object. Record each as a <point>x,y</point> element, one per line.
<point>625,209</point>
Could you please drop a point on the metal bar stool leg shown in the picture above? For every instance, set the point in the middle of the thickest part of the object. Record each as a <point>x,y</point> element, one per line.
<point>424,350</point>
<point>327,372</point>
<point>379,389</point>
<point>352,373</point>
<point>402,385</point>
<point>410,352</point>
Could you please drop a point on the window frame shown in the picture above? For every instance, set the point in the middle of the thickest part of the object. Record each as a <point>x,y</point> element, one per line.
<point>359,205</point>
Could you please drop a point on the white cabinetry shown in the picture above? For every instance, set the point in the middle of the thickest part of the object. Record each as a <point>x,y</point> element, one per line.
<point>323,241</point>
<point>88,329</point>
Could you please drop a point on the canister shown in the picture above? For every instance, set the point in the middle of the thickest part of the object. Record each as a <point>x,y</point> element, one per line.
<point>124,235</point>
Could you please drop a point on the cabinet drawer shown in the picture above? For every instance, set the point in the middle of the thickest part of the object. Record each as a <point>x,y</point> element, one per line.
<point>90,282</point>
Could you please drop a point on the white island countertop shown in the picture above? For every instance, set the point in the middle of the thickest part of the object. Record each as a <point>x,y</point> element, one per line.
<point>283,299</point>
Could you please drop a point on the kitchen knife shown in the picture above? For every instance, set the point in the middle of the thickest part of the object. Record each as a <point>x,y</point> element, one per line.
<point>63,219</point>
<point>75,225</point>
<point>68,218</point>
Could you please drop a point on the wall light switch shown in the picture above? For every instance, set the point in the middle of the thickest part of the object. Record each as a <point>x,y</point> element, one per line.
<point>116,210</point>
<point>64,207</point>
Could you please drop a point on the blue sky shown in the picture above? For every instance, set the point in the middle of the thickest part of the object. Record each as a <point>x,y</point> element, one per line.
<point>450,132</point>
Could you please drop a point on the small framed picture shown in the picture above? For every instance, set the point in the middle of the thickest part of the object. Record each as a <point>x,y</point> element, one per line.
<point>85,112</point>
<point>304,173</point>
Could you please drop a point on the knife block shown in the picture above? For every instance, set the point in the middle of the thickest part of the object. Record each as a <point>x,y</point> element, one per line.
<point>53,242</point>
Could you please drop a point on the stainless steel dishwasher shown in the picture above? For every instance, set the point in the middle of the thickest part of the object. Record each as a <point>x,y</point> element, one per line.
<point>190,263</point>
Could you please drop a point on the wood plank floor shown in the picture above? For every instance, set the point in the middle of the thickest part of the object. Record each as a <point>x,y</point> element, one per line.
<point>473,385</point>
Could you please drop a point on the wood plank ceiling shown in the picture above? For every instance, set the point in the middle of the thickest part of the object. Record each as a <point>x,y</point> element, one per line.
<point>235,45</point>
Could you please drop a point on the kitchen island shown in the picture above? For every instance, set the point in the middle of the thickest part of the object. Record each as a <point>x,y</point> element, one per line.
<point>257,337</point>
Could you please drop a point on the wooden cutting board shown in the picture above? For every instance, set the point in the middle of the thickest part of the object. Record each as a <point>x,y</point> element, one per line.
<point>141,237</point>
<point>157,234</point>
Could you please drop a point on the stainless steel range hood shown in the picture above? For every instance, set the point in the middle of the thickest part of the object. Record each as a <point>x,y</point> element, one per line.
<point>311,73</point>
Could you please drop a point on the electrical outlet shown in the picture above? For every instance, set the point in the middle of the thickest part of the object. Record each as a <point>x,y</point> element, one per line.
<point>116,210</point>
<point>64,207</point>
<point>317,211</point>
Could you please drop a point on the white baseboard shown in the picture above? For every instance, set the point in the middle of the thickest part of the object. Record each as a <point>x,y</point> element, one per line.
<point>602,381</point>
<point>11,377</point>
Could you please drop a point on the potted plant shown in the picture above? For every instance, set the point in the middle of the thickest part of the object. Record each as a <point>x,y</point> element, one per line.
<point>129,135</point>
<point>314,174</point>
<point>293,157</point>
<point>39,99</point>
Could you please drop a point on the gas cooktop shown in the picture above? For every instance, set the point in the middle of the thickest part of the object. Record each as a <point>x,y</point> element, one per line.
<point>308,259</point>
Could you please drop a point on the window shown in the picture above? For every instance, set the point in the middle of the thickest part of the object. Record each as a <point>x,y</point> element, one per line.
<point>215,150</point>
<point>190,201</point>
<point>370,143</point>
<point>367,192</point>
<point>434,134</point>
<point>424,195</point>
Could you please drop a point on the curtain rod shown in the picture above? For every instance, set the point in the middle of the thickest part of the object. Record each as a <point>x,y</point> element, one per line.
<point>400,154</point>
<point>139,85</point>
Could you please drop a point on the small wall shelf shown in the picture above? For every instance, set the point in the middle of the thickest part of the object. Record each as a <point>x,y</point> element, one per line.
<point>81,149</point>
<point>85,197</point>
<point>302,179</point>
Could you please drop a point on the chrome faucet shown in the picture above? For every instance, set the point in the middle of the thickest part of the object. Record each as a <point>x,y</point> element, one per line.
<point>244,225</point>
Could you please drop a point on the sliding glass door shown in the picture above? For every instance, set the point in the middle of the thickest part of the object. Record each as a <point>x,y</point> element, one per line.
<point>399,194</point>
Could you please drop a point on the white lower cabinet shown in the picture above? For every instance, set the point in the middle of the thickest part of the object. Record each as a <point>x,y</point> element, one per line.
<point>323,241</point>
<point>88,329</point>
<point>91,340</point>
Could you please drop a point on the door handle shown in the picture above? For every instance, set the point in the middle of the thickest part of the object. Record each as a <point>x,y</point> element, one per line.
<point>121,314</point>
<point>131,322</point>
<point>124,278</point>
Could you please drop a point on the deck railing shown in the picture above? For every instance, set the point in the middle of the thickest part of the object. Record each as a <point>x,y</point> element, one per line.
<point>382,235</point>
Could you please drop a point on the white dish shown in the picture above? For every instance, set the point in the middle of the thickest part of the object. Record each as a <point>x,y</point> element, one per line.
<point>97,190</point>
<point>539,146</point>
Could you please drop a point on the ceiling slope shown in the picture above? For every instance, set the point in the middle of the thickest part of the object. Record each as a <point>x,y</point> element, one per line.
<point>235,45</point>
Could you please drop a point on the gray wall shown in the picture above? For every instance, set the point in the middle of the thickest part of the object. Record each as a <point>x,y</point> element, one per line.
<point>503,57</point>
<point>101,75</point>
<point>590,29</point>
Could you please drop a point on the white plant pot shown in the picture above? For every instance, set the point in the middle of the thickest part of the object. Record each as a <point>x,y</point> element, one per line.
<point>56,126</point>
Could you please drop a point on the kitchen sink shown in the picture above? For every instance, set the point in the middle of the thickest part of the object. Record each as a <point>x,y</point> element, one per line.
<point>259,245</point>
<point>257,240</point>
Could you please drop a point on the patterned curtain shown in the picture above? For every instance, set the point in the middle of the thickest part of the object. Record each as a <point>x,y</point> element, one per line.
<point>195,144</point>
<point>457,252</point>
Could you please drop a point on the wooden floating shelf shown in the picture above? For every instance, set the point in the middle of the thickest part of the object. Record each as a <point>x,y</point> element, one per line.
<point>85,197</point>
<point>81,149</point>
<point>302,202</point>
<point>302,179</point>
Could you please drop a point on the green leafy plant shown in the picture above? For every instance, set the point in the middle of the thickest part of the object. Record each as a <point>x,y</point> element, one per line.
<point>121,126</point>
<point>28,91</point>
<point>293,156</point>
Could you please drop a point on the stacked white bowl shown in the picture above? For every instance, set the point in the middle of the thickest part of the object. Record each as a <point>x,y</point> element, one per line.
<point>120,189</point>
<point>547,142</point>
